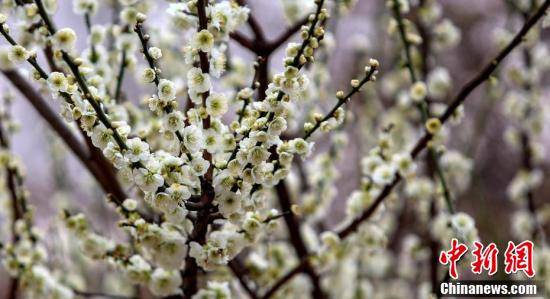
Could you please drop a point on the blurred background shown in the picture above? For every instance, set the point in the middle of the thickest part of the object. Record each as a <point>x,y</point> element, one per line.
<point>53,173</point>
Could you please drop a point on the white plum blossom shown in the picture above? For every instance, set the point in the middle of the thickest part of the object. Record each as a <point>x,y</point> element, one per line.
<point>57,81</point>
<point>172,251</point>
<point>137,150</point>
<point>148,75</point>
<point>214,290</point>
<point>5,61</point>
<point>198,81</point>
<point>193,139</point>
<point>146,180</point>
<point>464,226</point>
<point>138,270</point>
<point>82,7</point>
<point>216,104</point>
<point>174,121</point>
<point>166,90</point>
<point>165,283</point>
<point>155,53</point>
<point>18,54</point>
<point>384,174</point>
<point>179,193</point>
<point>404,164</point>
<point>203,40</point>
<point>439,82</point>
<point>101,136</point>
<point>418,91</point>
<point>65,39</point>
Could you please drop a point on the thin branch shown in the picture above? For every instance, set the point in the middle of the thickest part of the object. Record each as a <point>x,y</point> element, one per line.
<point>295,63</point>
<point>48,114</point>
<point>283,280</point>
<point>238,270</point>
<point>281,39</point>
<point>88,22</point>
<point>342,101</point>
<point>404,39</point>
<point>144,40</point>
<point>293,227</point>
<point>81,81</point>
<point>120,77</point>
<point>253,24</point>
<point>244,41</point>
<point>99,294</point>
<point>422,107</point>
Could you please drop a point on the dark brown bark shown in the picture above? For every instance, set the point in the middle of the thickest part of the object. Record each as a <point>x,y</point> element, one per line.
<point>293,227</point>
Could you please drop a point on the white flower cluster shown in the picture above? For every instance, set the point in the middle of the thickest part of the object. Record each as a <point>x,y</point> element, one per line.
<point>167,248</point>
<point>214,290</point>
<point>322,173</point>
<point>25,258</point>
<point>524,107</point>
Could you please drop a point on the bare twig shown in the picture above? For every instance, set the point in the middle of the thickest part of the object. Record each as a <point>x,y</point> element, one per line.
<point>281,39</point>
<point>342,101</point>
<point>101,295</point>
<point>120,77</point>
<point>238,270</point>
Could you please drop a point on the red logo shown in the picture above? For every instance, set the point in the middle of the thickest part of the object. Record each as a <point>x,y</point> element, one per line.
<point>519,258</point>
<point>485,258</point>
<point>516,258</point>
<point>453,256</point>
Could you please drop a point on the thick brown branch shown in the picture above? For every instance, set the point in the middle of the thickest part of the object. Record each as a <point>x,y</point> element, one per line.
<point>243,41</point>
<point>200,229</point>
<point>260,46</point>
<point>107,182</point>
<point>281,39</point>
<point>293,226</point>
<point>253,23</point>
<point>238,270</point>
<point>36,100</point>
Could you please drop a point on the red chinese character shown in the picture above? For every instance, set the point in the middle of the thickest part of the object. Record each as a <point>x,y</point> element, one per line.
<point>453,256</point>
<point>485,259</point>
<point>519,258</point>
